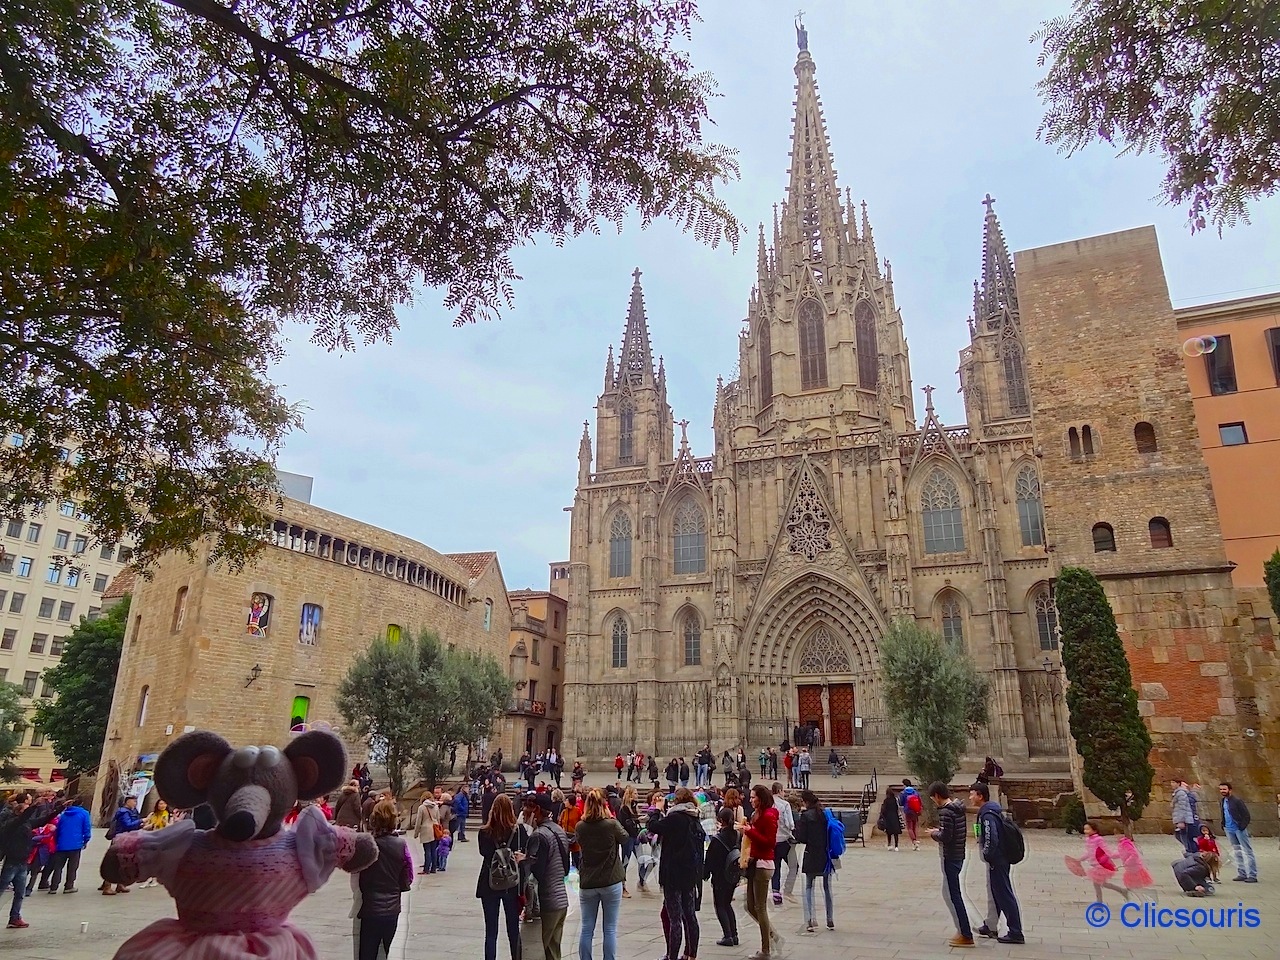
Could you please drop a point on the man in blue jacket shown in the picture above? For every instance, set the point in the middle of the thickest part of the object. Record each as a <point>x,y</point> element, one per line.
<point>999,883</point>
<point>1235,821</point>
<point>461,807</point>
<point>70,838</point>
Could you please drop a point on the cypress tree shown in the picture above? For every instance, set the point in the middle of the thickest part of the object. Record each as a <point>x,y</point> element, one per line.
<point>1112,739</point>
<point>1271,574</point>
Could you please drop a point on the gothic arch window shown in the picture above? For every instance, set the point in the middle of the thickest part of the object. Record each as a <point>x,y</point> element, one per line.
<point>943,517</point>
<point>1030,507</point>
<point>822,654</point>
<point>618,635</point>
<point>626,432</point>
<point>1104,538</point>
<point>951,617</point>
<point>1160,531</point>
<point>765,354</point>
<point>864,326</point>
<point>1073,443</point>
<point>691,632</point>
<point>620,545</point>
<point>1144,437</point>
<point>1086,440</point>
<point>689,538</point>
<point>1046,620</point>
<point>1015,375</point>
<point>813,345</point>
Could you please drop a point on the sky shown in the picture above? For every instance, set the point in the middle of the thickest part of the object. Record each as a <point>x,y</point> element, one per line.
<point>467,438</point>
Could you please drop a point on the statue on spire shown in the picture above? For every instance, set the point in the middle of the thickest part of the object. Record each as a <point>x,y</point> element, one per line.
<point>802,35</point>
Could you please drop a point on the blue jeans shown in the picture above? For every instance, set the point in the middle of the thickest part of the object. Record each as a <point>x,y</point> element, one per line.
<point>826,895</point>
<point>704,775</point>
<point>592,899</point>
<point>954,898</point>
<point>14,874</point>
<point>1246,865</point>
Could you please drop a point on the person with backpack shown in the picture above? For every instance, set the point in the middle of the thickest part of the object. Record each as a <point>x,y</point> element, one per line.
<point>544,865</point>
<point>890,820</point>
<point>1001,845</point>
<point>600,836</point>
<point>912,807</point>
<point>498,885</point>
<point>950,835</point>
<point>721,867</point>
<point>760,834</point>
<point>680,870</point>
<point>382,883</point>
<point>812,829</point>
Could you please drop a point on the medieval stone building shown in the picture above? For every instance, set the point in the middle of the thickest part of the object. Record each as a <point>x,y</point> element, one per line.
<point>731,598</point>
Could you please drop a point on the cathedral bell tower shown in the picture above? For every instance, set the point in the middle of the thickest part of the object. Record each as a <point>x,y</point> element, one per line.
<point>633,419</point>
<point>823,337</point>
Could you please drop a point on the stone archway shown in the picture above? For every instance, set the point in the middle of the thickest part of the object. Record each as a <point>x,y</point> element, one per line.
<point>814,630</point>
<point>825,689</point>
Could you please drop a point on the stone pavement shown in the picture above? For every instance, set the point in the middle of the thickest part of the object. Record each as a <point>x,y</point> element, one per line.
<point>887,905</point>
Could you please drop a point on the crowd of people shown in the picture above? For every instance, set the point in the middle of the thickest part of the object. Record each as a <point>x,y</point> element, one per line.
<point>795,762</point>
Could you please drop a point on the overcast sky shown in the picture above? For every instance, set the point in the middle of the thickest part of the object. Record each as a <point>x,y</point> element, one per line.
<point>467,439</point>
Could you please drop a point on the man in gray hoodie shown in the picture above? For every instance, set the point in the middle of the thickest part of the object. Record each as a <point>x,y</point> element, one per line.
<point>1183,817</point>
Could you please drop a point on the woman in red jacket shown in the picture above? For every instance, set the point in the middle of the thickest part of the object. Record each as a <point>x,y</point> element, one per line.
<point>761,833</point>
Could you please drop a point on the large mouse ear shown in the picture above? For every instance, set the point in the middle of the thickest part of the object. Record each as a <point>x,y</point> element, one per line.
<point>319,763</point>
<point>187,767</point>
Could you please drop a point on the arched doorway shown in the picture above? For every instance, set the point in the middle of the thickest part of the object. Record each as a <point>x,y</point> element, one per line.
<point>825,690</point>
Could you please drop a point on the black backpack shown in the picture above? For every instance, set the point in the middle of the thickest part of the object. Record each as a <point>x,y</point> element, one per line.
<point>504,872</point>
<point>1013,846</point>
<point>731,872</point>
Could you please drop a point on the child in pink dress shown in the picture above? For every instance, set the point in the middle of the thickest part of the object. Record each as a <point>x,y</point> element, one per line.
<point>1097,863</point>
<point>233,898</point>
<point>1136,875</point>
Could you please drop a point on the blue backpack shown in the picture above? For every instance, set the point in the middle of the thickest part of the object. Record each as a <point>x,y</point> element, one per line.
<point>835,840</point>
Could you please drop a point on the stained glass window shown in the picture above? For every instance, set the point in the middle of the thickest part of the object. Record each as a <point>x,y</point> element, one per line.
<point>813,346</point>
<point>943,517</point>
<point>864,321</point>
<point>619,642</point>
<point>1030,508</point>
<point>689,538</point>
<point>620,546</point>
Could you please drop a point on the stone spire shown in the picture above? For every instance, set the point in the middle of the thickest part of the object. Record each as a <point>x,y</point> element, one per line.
<point>998,294</point>
<point>584,455</point>
<point>814,220</point>
<point>635,363</point>
<point>609,376</point>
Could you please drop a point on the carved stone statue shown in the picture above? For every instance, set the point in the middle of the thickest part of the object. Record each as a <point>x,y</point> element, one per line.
<point>893,504</point>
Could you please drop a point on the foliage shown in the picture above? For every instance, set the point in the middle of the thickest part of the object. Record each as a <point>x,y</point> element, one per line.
<point>84,682</point>
<point>1271,574</point>
<point>181,179</point>
<point>1112,739</point>
<point>414,699</point>
<point>1194,80</point>
<point>1069,814</point>
<point>935,697</point>
<point>13,724</point>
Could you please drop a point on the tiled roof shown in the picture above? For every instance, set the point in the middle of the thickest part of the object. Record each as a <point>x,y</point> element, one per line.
<point>473,563</point>
<point>122,585</point>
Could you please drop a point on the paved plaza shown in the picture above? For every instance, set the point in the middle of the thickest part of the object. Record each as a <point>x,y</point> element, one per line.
<point>887,905</point>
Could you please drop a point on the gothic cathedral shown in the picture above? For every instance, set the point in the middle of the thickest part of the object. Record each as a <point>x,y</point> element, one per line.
<point>733,598</point>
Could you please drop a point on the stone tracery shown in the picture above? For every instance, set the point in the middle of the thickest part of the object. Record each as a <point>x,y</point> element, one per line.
<point>808,525</point>
<point>823,654</point>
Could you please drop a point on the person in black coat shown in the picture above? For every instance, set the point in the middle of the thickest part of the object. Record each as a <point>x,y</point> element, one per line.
<point>890,821</point>
<point>811,830</point>
<point>722,848</point>
<point>680,869</point>
<point>500,826</point>
<point>951,835</point>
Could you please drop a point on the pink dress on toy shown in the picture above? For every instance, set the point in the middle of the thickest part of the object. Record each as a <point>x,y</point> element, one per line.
<point>233,899</point>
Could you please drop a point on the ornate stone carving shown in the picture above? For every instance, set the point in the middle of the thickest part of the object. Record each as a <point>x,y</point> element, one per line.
<point>823,654</point>
<point>808,525</point>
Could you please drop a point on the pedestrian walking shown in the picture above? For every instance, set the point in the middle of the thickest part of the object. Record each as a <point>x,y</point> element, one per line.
<point>601,874</point>
<point>1180,812</point>
<point>760,834</point>
<point>684,772</point>
<point>546,861</point>
<point>347,812</point>
<point>629,817</point>
<point>71,836</point>
<point>912,807</point>
<point>427,829</point>
<point>806,768</point>
<point>126,820</point>
<point>811,830</point>
<point>950,835</point>
<point>890,821</point>
<point>680,870</point>
<point>722,868</point>
<point>461,810</point>
<point>1235,822</point>
<point>991,825</point>
<point>18,821</point>
<point>500,833</point>
<point>833,761</point>
<point>784,851</point>
<point>382,883</point>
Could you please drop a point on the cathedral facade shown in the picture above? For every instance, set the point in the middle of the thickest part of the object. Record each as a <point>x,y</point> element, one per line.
<point>728,599</point>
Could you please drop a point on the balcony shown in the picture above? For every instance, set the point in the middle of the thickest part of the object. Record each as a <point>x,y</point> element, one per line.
<point>528,708</point>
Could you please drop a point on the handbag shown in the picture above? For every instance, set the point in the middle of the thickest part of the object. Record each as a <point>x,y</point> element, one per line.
<point>437,830</point>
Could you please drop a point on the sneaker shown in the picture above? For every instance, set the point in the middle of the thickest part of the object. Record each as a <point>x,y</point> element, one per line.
<point>777,899</point>
<point>1011,938</point>
<point>959,941</point>
<point>53,890</point>
<point>1241,879</point>
<point>985,931</point>
<point>18,924</point>
<point>831,924</point>
<point>726,942</point>
<point>1250,879</point>
<point>70,889</point>
<point>809,931</point>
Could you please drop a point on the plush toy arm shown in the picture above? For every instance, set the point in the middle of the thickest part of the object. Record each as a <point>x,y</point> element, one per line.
<point>356,851</point>
<point>141,855</point>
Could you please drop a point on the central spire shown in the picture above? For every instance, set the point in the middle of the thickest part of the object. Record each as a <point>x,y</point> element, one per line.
<point>635,364</point>
<point>998,294</point>
<point>814,220</point>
